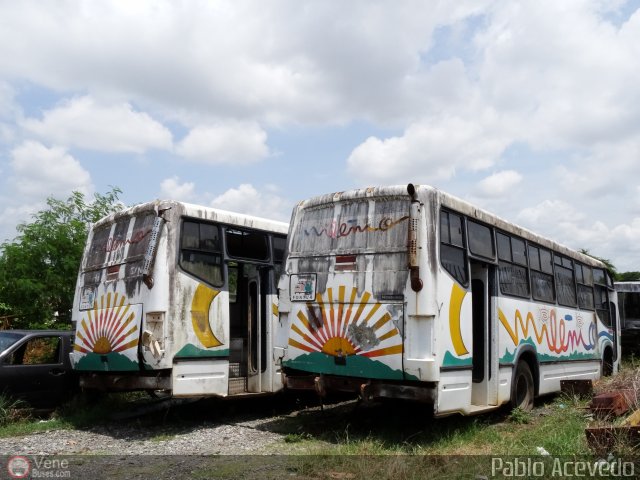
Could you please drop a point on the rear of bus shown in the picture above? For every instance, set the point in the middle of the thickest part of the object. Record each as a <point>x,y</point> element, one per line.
<point>178,297</point>
<point>352,272</point>
<point>118,277</point>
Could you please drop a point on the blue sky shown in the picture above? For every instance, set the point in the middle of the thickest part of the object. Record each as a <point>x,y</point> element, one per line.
<point>530,109</point>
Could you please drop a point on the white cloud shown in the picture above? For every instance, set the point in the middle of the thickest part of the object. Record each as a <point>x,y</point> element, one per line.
<point>434,94</point>
<point>171,188</point>
<point>231,143</point>
<point>282,62</point>
<point>499,184</point>
<point>40,172</point>
<point>12,215</point>
<point>83,122</point>
<point>547,214</point>
<point>247,199</point>
<point>429,151</point>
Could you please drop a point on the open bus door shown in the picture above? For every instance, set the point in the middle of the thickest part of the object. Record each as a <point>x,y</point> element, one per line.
<point>248,317</point>
<point>484,390</point>
<point>257,288</point>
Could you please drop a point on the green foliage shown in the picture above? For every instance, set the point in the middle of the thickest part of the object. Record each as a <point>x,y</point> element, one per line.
<point>39,267</point>
<point>520,416</point>
<point>610,266</point>
<point>11,410</point>
<point>628,276</point>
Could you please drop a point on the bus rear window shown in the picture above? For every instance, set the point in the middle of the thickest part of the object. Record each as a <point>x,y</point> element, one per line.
<point>120,242</point>
<point>353,227</point>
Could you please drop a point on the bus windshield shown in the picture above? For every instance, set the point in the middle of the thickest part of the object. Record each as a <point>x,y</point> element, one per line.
<point>364,226</point>
<point>120,243</point>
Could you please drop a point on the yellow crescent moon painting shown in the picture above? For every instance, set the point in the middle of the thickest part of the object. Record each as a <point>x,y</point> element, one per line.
<point>200,306</point>
<point>455,307</point>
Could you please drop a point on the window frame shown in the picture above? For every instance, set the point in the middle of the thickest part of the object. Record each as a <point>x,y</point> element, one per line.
<point>502,262</point>
<point>472,254</point>
<point>584,283</point>
<point>219,254</point>
<point>449,244</point>
<point>598,289</point>
<point>559,267</point>
<point>267,246</point>
<point>539,270</point>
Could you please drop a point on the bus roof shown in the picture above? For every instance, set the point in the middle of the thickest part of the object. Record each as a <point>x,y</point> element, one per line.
<point>200,211</point>
<point>633,286</point>
<point>430,194</point>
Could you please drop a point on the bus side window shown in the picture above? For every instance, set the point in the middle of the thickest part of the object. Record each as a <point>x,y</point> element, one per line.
<point>279,245</point>
<point>512,266</point>
<point>602,296</point>
<point>481,240</point>
<point>565,281</point>
<point>247,244</point>
<point>584,277</point>
<point>200,251</point>
<point>452,251</point>
<point>541,274</point>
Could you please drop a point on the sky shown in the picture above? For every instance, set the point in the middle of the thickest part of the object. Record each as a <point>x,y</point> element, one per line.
<point>529,109</point>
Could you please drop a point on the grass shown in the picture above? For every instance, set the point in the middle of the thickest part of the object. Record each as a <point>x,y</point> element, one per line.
<point>391,439</point>
<point>556,425</point>
<point>79,412</point>
<point>12,411</point>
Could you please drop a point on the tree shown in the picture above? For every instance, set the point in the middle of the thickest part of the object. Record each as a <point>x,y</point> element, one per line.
<point>628,276</point>
<point>612,269</point>
<point>38,269</point>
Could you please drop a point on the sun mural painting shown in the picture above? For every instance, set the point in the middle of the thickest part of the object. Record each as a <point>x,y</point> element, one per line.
<point>343,329</point>
<point>111,326</point>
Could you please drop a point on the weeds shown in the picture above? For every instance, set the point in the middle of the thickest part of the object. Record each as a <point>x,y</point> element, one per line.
<point>12,411</point>
<point>296,437</point>
<point>520,416</point>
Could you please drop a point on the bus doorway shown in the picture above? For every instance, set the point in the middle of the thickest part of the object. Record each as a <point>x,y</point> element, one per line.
<point>484,390</point>
<point>248,313</point>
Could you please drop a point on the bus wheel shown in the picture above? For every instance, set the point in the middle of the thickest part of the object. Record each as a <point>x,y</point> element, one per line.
<point>607,363</point>
<point>522,390</point>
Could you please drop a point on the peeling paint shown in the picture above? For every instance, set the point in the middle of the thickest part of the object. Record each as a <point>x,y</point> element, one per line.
<point>363,336</point>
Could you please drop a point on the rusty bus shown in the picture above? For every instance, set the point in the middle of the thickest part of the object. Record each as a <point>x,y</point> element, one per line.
<point>178,298</point>
<point>411,293</point>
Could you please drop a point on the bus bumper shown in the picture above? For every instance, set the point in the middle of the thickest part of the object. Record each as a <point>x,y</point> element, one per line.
<point>367,389</point>
<point>113,382</point>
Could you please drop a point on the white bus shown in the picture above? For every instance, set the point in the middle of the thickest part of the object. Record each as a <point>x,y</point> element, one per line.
<point>178,297</point>
<point>408,292</point>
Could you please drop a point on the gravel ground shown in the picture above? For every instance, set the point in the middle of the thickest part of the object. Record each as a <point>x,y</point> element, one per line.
<point>233,439</point>
<point>238,439</point>
<point>242,437</point>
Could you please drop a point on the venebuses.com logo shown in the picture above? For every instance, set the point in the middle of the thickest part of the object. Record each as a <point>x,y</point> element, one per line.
<point>18,467</point>
<point>43,466</point>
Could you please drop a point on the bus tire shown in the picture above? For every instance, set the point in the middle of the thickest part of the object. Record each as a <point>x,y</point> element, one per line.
<point>522,387</point>
<point>607,362</point>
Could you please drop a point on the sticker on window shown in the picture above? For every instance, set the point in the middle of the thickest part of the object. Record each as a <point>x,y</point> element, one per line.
<point>87,298</point>
<point>303,287</point>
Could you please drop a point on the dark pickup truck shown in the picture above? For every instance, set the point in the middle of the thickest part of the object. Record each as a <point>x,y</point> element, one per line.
<point>35,367</point>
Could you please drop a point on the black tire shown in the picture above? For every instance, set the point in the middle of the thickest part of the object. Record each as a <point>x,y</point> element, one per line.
<point>607,363</point>
<point>522,388</point>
